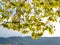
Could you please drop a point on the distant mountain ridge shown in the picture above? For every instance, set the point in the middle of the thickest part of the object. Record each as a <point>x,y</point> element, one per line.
<point>29,41</point>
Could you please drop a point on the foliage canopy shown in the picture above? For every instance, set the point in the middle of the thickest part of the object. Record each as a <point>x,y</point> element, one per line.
<point>34,17</point>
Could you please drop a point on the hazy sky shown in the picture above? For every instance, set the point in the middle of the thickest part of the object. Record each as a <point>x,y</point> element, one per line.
<point>4,32</point>
<point>8,33</point>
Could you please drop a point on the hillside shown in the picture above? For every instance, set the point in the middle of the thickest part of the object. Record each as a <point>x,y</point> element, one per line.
<point>29,41</point>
